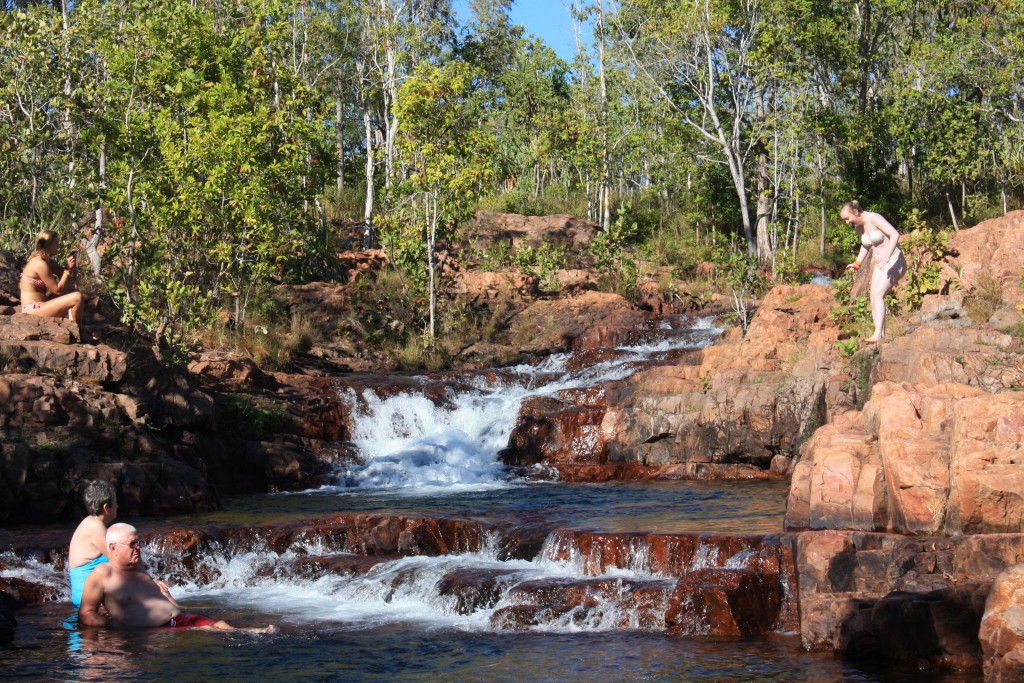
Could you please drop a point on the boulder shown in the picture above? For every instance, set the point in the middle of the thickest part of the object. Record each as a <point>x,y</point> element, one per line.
<point>932,631</point>
<point>1002,628</point>
<point>993,248</point>
<point>939,459</point>
<point>490,229</point>
<point>843,573</point>
<point>724,602</point>
<point>482,288</point>
<point>744,400</point>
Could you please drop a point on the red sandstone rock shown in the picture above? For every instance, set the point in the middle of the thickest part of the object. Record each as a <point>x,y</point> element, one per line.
<point>842,573</point>
<point>1002,628</point>
<point>553,432</point>
<point>742,401</point>
<point>471,590</point>
<point>982,358</point>
<point>492,228</point>
<point>944,459</point>
<point>994,248</point>
<point>724,602</point>
<point>553,325</point>
<point>481,287</point>
<point>933,631</point>
<point>27,327</point>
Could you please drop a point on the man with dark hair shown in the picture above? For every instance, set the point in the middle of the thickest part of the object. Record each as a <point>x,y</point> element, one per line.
<point>132,598</point>
<point>89,540</point>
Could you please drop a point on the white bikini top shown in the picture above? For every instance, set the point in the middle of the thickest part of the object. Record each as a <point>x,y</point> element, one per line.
<point>872,239</point>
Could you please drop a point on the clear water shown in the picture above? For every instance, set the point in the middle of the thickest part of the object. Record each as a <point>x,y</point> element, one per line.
<point>47,649</point>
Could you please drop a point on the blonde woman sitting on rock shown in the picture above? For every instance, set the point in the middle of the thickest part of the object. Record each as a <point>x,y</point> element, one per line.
<point>47,289</point>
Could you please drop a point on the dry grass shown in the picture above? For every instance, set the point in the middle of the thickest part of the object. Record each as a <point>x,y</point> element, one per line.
<point>984,299</point>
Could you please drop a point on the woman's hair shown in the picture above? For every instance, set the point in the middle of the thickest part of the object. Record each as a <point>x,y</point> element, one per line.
<point>854,206</point>
<point>97,494</point>
<point>44,241</point>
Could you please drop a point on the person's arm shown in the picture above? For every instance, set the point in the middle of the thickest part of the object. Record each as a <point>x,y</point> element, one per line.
<point>92,598</point>
<point>861,255</point>
<point>53,285</point>
<point>167,592</point>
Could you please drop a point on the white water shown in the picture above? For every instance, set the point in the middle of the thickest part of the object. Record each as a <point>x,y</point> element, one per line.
<point>408,590</point>
<point>409,444</point>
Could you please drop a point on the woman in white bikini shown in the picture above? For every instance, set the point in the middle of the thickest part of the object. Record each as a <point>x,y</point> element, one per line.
<point>881,240</point>
<point>43,277</point>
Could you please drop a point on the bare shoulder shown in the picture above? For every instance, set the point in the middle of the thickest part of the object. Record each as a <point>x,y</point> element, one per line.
<point>102,572</point>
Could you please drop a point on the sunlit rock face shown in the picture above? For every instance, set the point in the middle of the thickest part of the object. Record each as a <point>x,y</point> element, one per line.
<point>943,459</point>
<point>726,411</point>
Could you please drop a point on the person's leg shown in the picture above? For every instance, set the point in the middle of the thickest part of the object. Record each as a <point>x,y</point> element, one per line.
<point>880,286</point>
<point>57,307</point>
<point>225,626</point>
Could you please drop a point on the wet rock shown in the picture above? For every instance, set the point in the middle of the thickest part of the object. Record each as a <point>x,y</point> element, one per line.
<point>842,573</point>
<point>316,567</point>
<point>551,431</point>
<point>471,590</point>
<point>1002,628</point>
<point>618,602</point>
<point>933,631</point>
<point>724,602</point>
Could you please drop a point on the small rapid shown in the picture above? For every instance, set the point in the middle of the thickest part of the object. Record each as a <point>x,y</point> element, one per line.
<point>408,442</point>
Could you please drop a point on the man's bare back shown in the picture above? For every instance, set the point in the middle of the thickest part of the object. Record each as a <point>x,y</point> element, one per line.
<point>131,596</point>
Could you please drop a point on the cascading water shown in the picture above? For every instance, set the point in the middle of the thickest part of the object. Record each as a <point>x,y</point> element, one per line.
<point>408,442</point>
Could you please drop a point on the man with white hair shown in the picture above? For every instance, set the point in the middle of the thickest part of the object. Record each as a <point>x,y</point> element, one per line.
<point>131,596</point>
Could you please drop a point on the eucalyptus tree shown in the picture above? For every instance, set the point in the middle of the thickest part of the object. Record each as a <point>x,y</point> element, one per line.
<point>701,59</point>
<point>449,156</point>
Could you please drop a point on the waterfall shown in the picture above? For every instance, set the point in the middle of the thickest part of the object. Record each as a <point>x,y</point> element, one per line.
<point>407,442</point>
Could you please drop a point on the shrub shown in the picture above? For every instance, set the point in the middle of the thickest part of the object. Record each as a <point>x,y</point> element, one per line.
<point>245,417</point>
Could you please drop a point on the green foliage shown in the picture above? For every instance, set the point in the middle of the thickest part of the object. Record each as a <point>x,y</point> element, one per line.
<point>924,251</point>
<point>544,262</point>
<point>612,255</point>
<point>245,417</point>
<point>851,315</point>
<point>847,347</point>
<point>742,273</point>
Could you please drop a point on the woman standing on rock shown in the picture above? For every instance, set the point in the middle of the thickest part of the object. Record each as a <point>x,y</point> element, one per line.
<point>43,276</point>
<point>881,240</point>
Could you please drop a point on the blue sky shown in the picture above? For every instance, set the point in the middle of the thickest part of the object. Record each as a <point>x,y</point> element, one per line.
<point>546,19</point>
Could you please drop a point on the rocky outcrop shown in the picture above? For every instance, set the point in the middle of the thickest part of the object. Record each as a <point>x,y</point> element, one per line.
<point>944,459</point>
<point>1002,628</point>
<point>977,357</point>
<point>842,573</point>
<point>730,408</point>
<point>490,229</point>
<point>994,249</point>
<point>485,288</point>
